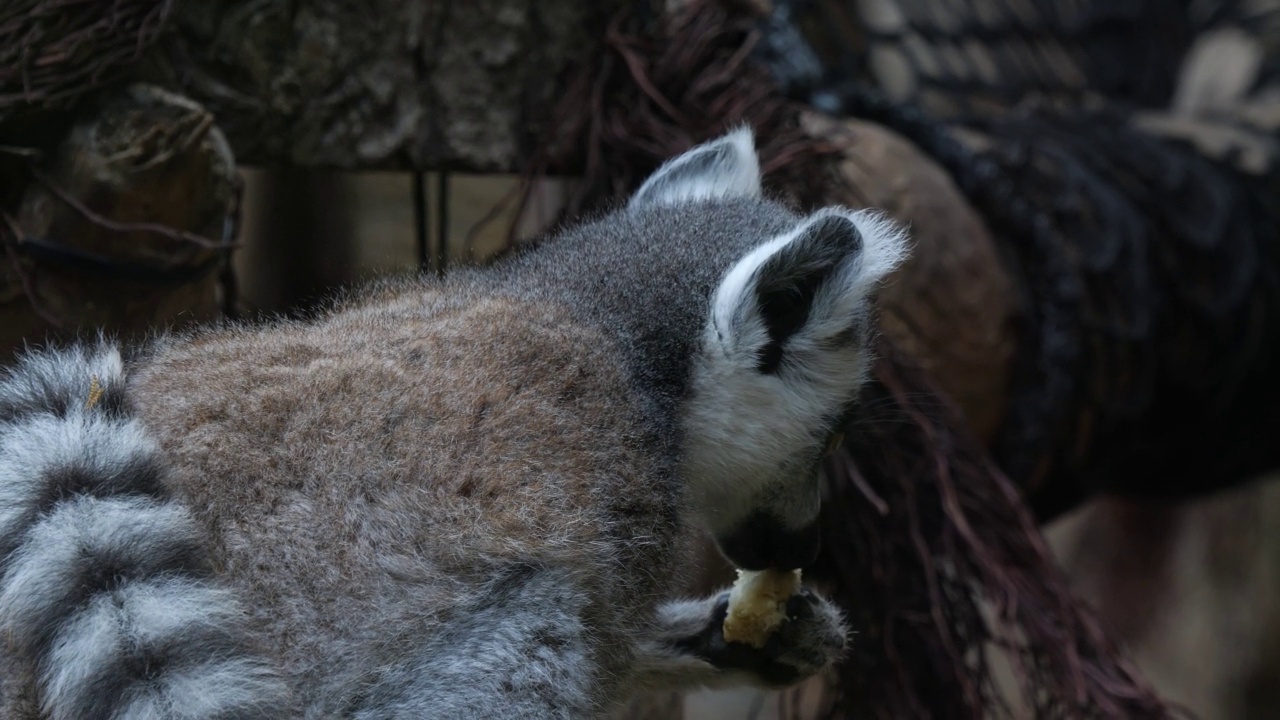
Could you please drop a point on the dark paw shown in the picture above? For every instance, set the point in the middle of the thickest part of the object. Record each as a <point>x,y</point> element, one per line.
<point>812,638</point>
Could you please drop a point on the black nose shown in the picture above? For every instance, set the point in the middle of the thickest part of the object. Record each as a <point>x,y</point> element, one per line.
<point>762,541</point>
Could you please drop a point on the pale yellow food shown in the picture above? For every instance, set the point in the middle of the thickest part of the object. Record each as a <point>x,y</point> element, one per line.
<point>758,605</point>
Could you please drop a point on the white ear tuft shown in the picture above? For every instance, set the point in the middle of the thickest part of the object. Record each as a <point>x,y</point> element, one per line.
<point>720,169</point>
<point>805,289</point>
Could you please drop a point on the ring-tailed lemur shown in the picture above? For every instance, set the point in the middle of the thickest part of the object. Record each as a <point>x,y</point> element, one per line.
<point>468,497</point>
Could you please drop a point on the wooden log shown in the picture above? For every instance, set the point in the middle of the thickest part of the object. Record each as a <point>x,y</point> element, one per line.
<point>124,226</point>
<point>951,307</point>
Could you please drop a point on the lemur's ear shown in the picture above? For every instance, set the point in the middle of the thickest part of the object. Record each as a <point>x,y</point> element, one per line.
<point>723,168</point>
<point>804,293</point>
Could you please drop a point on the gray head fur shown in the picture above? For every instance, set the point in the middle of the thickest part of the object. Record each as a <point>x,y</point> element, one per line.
<point>744,323</point>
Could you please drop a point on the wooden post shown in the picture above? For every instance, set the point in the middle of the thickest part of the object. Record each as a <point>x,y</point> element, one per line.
<point>123,226</point>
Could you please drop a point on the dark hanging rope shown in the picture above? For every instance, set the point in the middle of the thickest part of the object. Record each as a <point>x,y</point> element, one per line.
<point>442,224</point>
<point>418,192</point>
<point>52,52</point>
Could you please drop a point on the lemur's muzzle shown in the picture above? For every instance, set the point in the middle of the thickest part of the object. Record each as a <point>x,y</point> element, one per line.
<point>763,541</point>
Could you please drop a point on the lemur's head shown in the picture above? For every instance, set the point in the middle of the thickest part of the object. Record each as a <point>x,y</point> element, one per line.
<point>783,354</point>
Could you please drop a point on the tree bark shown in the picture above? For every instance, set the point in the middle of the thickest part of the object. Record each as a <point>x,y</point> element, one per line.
<point>383,84</point>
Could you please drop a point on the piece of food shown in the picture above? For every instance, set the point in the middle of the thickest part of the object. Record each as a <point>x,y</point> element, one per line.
<point>758,605</point>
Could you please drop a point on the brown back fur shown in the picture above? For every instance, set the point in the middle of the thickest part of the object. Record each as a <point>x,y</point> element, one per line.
<point>377,469</point>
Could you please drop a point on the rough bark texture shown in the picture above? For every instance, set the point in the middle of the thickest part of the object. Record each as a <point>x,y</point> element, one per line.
<point>381,84</point>
<point>121,225</point>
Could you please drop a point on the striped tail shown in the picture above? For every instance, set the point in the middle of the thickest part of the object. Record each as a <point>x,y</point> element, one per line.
<point>108,603</point>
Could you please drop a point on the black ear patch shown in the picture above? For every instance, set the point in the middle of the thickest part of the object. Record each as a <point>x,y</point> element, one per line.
<point>787,283</point>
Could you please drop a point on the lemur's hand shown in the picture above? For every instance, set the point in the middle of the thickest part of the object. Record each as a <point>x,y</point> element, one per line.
<point>810,639</point>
